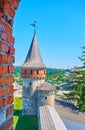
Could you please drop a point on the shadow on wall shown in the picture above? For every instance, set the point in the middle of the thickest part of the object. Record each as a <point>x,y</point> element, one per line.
<point>65,104</point>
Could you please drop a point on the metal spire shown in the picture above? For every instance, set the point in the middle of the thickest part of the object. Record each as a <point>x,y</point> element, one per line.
<point>34,59</point>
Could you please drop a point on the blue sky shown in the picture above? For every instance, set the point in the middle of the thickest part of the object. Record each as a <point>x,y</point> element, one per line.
<point>60,31</point>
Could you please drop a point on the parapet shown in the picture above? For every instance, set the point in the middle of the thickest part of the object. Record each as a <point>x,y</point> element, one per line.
<point>48,119</point>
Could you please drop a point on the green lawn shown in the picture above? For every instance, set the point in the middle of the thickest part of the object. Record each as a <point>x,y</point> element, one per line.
<point>23,122</point>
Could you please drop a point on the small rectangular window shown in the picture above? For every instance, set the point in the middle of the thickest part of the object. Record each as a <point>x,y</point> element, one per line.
<point>30,83</point>
<point>25,71</point>
<point>31,72</point>
<point>37,71</point>
<point>45,98</point>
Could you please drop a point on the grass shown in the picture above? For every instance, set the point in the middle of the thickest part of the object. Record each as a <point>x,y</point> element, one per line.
<point>23,122</point>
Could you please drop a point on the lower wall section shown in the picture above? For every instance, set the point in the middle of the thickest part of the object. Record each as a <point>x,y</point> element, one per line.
<point>29,106</point>
<point>48,118</point>
<point>29,96</point>
<point>6,117</point>
<point>7,125</point>
<point>2,116</point>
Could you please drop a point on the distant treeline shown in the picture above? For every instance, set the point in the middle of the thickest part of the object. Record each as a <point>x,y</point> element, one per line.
<point>49,71</point>
<point>53,71</point>
<point>17,69</point>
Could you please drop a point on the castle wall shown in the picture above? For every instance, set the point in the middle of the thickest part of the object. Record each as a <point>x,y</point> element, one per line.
<point>34,73</point>
<point>7,51</point>
<point>7,12</point>
<point>29,95</point>
<point>45,98</point>
<point>50,100</point>
<point>48,119</point>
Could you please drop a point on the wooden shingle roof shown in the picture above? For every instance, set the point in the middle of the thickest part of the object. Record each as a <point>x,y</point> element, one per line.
<point>33,59</point>
<point>46,86</point>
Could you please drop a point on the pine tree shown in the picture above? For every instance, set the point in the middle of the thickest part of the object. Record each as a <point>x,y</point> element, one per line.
<point>77,85</point>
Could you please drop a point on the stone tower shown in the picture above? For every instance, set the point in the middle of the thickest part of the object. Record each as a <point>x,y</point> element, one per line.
<point>33,75</point>
<point>45,95</point>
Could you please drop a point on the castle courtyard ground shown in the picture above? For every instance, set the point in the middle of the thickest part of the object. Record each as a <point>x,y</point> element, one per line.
<point>65,109</point>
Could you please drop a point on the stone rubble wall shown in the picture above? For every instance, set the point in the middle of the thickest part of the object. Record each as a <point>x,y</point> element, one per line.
<point>29,95</point>
<point>45,98</point>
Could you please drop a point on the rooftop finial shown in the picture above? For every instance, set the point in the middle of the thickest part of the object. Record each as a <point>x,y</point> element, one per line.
<point>34,25</point>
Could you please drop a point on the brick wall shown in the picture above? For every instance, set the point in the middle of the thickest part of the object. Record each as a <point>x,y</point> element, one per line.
<point>7,13</point>
<point>33,73</point>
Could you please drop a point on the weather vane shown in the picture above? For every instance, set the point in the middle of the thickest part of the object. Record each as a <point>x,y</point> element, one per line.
<point>34,25</point>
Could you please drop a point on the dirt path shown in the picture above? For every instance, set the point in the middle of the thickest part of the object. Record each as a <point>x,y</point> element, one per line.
<point>68,111</point>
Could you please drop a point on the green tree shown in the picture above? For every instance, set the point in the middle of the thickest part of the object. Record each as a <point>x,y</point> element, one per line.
<point>77,85</point>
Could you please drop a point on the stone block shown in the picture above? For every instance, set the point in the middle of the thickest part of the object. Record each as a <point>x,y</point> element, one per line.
<point>7,125</point>
<point>2,116</point>
<point>11,69</point>
<point>10,89</point>
<point>3,47</point>
<point>14,3</point>
<point>6,80</point>
<point>11,50</point>
<point>9,110</point>
<point>3,70</point>
<point>3,92</point>
<point>6,27</point>
<point>9,38</point>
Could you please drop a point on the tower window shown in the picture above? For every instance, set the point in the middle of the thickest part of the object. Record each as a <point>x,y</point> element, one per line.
<point>37,71</point>
<point>25,71</point>
<point>45,98</point>
<point>30,83</point>
<point>31,72</point>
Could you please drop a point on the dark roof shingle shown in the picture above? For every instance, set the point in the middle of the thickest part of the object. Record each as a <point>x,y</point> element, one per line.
<point>33,59</point>
<point>46,86</point>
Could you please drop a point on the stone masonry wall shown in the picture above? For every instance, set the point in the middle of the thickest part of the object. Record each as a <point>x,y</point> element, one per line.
<point>45,98</point>
<point>7,13</point>
<point>29,96</point>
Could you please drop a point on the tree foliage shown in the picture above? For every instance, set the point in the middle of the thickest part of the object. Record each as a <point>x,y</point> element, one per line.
<point>77,85</point>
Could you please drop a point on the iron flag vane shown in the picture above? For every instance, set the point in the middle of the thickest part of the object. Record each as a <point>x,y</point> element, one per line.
<point>34,25</point>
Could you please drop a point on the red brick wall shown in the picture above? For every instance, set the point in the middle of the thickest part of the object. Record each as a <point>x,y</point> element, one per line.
<point>7,13</point>
<point>26,73</point>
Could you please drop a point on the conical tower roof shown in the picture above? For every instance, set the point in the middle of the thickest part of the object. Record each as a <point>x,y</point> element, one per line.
<point>33,59</point>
